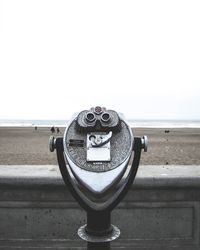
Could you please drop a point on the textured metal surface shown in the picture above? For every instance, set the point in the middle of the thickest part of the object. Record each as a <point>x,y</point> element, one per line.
<point>120,147</point>
<point>97,239</point>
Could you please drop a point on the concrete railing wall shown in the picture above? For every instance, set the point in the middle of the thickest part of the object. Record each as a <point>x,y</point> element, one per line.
<point>161,211</point>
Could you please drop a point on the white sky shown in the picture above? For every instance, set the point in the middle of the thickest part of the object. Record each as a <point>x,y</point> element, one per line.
<point>140,57</point>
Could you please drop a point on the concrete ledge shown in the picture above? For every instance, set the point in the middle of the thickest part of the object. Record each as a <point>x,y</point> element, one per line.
<point>147,176</point>
<point>161,211</point>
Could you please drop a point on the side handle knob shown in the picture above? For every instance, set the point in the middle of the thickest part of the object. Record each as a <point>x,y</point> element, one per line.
<point>144,141</point>
<point>52,143</point>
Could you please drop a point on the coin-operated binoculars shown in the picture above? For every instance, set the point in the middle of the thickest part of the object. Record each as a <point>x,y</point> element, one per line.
<point>93,157</point>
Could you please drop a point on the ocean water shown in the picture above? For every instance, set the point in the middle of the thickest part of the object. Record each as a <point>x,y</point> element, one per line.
<point>132,123</point>
<point>165,123</point>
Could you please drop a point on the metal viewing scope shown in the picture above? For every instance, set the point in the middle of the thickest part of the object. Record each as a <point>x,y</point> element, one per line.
<point>93,157</point>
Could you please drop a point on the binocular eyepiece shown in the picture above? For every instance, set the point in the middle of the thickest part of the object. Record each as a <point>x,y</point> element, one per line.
<point>98,119</point>
<point>91,117</point>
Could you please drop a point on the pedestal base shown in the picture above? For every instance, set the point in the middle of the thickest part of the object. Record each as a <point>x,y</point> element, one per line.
<point>115,233</point>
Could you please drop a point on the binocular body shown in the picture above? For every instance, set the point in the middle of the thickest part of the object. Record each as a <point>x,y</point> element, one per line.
<point>97,157</point>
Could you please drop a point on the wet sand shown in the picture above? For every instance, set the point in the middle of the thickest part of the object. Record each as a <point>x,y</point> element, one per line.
<point>174,146</point>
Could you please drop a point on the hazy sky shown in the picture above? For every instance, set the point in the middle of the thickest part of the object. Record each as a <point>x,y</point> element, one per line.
<point>140,57</point>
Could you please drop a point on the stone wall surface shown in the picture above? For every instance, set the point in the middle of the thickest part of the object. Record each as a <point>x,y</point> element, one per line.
<point>161,211</point>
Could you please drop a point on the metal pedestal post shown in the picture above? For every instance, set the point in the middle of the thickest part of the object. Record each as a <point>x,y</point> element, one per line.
<point>98,232</point>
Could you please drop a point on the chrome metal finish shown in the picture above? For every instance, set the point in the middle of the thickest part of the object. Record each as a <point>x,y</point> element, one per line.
<point>144,141</point>
<point>97,183</point>
<point>115,233</point>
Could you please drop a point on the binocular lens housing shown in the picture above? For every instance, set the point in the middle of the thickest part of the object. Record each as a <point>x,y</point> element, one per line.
<point>98,119</point>
<point>90,117</point>
<point>105,117</point>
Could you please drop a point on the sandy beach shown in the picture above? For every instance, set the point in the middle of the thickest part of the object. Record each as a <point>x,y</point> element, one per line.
<point>179,146</point>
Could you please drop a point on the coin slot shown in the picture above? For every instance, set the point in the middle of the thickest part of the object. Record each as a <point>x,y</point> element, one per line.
<point>76,143</point>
